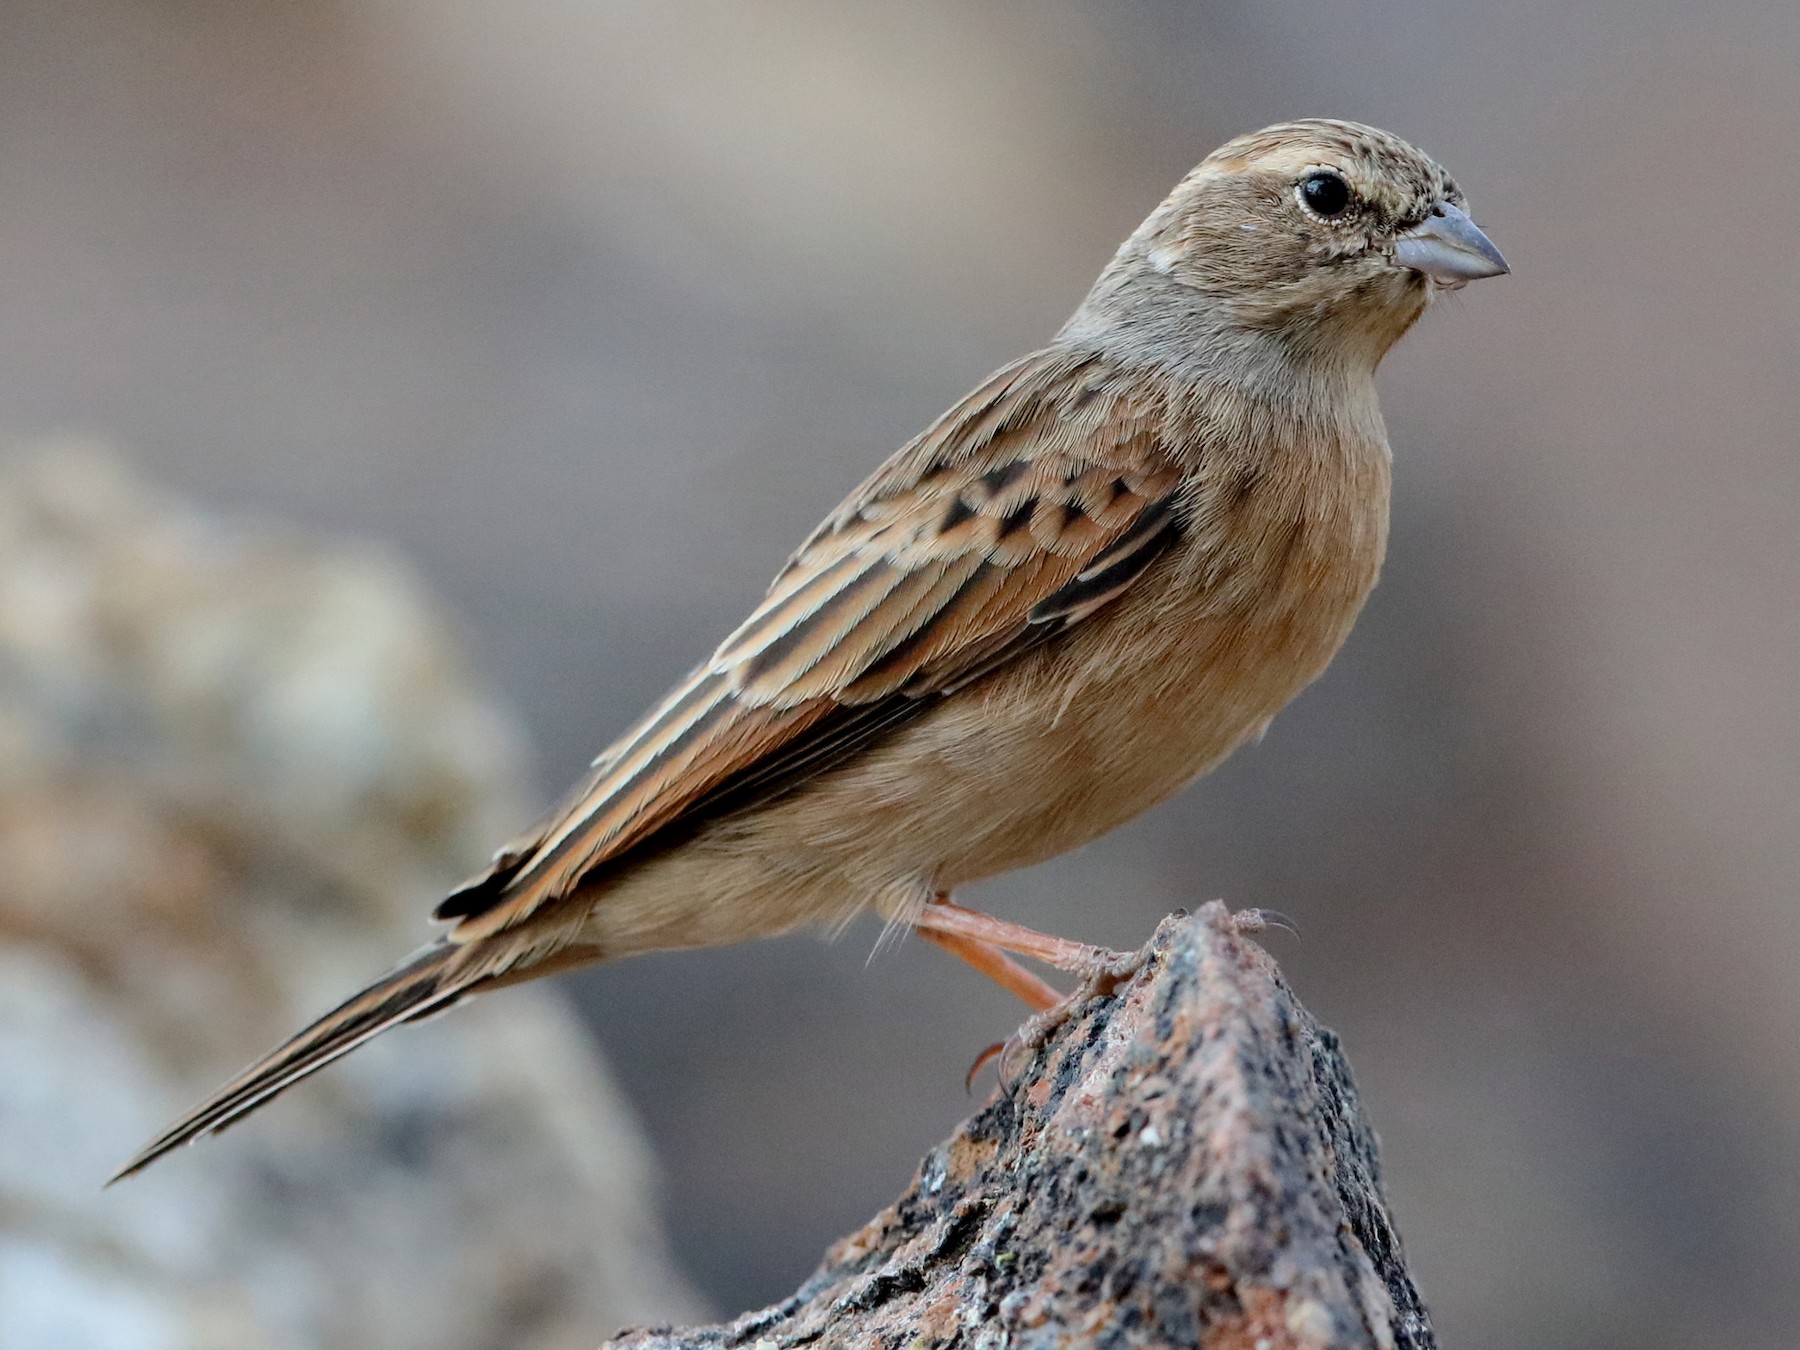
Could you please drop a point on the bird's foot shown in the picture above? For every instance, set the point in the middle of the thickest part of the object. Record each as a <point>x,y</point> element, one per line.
<point>1104,970</point>
<point>1250,922</point>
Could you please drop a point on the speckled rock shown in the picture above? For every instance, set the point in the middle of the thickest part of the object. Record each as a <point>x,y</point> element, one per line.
<point>1185,1164</point>
<point>236,768</point>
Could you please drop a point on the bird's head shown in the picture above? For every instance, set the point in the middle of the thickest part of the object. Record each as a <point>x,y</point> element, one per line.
<point>1325,238</point>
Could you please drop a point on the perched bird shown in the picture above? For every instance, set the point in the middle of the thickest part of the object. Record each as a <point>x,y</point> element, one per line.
<point>1079,589</point>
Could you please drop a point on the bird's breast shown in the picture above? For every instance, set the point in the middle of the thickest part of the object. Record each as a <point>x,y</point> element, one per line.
<point>1246,610</point>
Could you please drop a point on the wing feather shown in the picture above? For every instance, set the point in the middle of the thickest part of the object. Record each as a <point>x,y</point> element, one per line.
<point>1014,516</point>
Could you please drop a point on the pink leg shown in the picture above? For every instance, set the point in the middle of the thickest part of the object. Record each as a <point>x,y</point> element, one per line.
<point>983,941</point>
<point>997,966</point>
<point>943,917</point>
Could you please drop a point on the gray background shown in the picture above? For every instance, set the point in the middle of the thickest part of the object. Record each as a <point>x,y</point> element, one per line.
<point>591,309</point>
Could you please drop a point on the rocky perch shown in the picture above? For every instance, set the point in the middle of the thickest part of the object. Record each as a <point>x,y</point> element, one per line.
<point>1185,1163</point>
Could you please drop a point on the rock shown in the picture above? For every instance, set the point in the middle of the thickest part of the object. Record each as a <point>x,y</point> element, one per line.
<point>236,769</point>
<point>1185,1163</point>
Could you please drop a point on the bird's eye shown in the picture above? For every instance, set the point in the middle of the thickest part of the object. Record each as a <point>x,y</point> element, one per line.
<point>1325,194</point>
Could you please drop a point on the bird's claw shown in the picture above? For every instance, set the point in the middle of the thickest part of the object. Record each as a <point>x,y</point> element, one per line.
<point>1249,922</point>
<point>981,1062</point>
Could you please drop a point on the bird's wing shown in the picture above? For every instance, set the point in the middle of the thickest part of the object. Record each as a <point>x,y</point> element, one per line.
<point>1030,505</point>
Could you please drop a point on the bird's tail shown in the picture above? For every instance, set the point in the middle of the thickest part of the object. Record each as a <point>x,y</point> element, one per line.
<point>428,981</point>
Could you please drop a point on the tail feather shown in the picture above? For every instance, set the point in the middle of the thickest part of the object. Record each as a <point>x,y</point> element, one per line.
<point>427,982</point>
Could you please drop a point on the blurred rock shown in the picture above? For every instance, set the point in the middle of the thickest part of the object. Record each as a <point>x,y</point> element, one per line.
<point>235,769</point>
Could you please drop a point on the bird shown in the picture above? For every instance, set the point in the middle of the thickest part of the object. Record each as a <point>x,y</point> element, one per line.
<point>1082,587</point>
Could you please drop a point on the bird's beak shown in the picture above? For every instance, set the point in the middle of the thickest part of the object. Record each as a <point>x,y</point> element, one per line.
<point>1449,248</point>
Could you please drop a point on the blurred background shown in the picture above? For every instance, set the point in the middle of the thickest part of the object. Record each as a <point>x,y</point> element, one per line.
<point>557,323</point>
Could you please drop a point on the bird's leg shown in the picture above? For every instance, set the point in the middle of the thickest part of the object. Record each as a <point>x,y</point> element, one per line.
<point>941,916</point>
<point>997,966</point>
<point>983,941</point>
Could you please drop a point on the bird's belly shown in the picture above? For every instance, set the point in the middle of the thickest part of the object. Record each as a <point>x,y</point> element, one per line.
<point>1043,786</point>
<point>1085,736</point>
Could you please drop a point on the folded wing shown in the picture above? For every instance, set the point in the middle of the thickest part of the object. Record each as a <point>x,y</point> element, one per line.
<point>1040,498</point>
